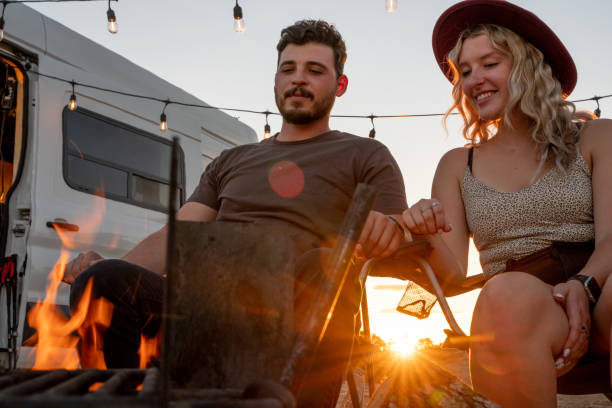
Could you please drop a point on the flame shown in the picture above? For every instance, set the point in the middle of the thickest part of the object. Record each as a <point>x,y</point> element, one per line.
<point>97,321</point>
<point>55,342</point>
<point>149,348</point>
<point>95,386</point>
<point>54,330</point>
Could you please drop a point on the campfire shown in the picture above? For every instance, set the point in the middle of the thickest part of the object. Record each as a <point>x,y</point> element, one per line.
<point>55,343</point>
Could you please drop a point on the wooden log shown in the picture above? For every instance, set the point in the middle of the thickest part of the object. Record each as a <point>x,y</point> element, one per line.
<point>232,304</point>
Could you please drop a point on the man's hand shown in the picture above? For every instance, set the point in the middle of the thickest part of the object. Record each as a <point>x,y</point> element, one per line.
<point>79,264</point>
<point>380,237</point>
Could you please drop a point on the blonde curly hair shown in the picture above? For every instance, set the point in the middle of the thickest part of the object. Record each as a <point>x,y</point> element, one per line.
<point>532,88</point>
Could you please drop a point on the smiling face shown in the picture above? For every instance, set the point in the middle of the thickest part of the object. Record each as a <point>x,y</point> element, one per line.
<point>306,83</point>
<point>484,73</point>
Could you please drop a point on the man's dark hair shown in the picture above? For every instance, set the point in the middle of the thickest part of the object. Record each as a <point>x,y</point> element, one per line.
<point>316,31</point>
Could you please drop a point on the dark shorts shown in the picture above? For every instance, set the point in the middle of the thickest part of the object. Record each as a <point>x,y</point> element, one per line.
<point>556,263</point>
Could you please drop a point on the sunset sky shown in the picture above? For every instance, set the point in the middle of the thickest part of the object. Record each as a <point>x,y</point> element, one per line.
<point>390,67</point>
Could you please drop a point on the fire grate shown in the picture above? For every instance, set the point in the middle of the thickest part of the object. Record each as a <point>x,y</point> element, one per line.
<point>80,388</point>
<point>117,388</point>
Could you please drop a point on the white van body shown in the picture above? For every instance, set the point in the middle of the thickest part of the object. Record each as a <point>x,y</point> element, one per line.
<point>39,192</point>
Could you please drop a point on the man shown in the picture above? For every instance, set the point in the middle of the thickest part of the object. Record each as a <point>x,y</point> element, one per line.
<point>303,178</point>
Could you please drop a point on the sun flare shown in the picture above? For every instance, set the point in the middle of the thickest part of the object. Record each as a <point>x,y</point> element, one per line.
<point>403,346</point>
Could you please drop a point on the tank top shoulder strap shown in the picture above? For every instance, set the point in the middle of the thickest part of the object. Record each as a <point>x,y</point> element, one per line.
<point>470,158</point>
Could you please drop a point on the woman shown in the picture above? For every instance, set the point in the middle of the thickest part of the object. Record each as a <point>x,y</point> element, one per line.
<point>531,182</point>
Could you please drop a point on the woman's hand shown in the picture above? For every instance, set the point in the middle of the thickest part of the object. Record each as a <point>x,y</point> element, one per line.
<point>572,297</point>
<point>426,217</point>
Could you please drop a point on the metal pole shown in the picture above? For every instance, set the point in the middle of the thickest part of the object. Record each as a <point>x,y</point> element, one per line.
<point>166,320</point>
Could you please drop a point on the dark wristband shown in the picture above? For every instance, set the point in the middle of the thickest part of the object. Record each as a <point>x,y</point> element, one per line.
<point>396,222</point>
<point>591,287</point>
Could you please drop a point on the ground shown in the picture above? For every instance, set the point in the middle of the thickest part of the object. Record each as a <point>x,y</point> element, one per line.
<point>456,362</point>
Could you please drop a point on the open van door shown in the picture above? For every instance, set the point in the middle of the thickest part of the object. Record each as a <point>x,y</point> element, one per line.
<point>15,197</point>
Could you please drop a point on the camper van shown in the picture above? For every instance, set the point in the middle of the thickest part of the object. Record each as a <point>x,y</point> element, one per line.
<point>91,178</point>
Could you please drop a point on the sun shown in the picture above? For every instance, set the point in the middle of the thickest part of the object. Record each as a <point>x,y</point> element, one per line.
<point>404,346</point>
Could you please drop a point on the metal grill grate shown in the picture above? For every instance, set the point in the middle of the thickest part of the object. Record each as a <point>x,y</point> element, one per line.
<point>118,388</point>
<point>80,388</point>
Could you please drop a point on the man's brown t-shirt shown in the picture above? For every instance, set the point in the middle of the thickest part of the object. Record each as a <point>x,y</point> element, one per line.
<point>305,186</point>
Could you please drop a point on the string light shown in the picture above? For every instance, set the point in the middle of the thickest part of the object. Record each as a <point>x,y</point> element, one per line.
<point>597,111</point>
<point>267,126</point>
<point>72,105</point>
<point>372,134</point>
<point>390,6</point>
<point>110,14</point>
<point>112,20</point>
<point>239,26</point>
<point>266,112</point>
<point>163,124</point>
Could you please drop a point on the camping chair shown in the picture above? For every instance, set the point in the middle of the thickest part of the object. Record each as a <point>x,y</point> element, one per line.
<point>409,263</point>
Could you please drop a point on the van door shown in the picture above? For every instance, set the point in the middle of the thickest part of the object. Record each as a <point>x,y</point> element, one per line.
<point>15,199</point>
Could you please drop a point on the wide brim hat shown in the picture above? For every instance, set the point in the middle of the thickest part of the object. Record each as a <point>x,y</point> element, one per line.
<point>503,13</point>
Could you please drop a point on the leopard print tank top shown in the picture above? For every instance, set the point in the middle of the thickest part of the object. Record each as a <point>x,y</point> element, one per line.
<point>512,225</point>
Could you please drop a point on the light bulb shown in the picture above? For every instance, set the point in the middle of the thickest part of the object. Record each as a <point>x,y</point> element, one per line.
<point>390,5</point>
<point>112,21</point>
<point>1,28</point>
<point>239,26</point>
<point>163,125</point>
<point>266,131</point>
<point>72,105</point>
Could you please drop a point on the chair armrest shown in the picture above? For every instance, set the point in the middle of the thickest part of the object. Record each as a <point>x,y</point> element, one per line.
<point>402,264</point>
<point>469,284</point>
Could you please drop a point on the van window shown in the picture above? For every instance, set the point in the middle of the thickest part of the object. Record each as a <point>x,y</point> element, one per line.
<point>103,156</point>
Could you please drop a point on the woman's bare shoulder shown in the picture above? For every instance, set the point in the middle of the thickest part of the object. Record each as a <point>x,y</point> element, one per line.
<point>596,137</point>
<point>452,166</point>
<point>454,160</point>
<point>595,130</point>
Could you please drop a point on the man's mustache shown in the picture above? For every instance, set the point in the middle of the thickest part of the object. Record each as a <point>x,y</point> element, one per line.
<point>300,91</point>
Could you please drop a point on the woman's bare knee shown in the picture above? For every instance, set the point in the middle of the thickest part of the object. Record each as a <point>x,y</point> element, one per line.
<point>514,307</point>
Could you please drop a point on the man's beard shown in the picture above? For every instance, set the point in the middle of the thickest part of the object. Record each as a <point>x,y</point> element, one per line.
<point>295,116</point>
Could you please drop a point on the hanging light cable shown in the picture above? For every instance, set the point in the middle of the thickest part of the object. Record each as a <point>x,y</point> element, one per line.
<point>72,105</point>
<point>239,26</point>
<point>112,20</point>
<point>372,134</point>
<point>2,20</point>
<point>267,126</point>
<point>391,6</point>
<point>163,124</point>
